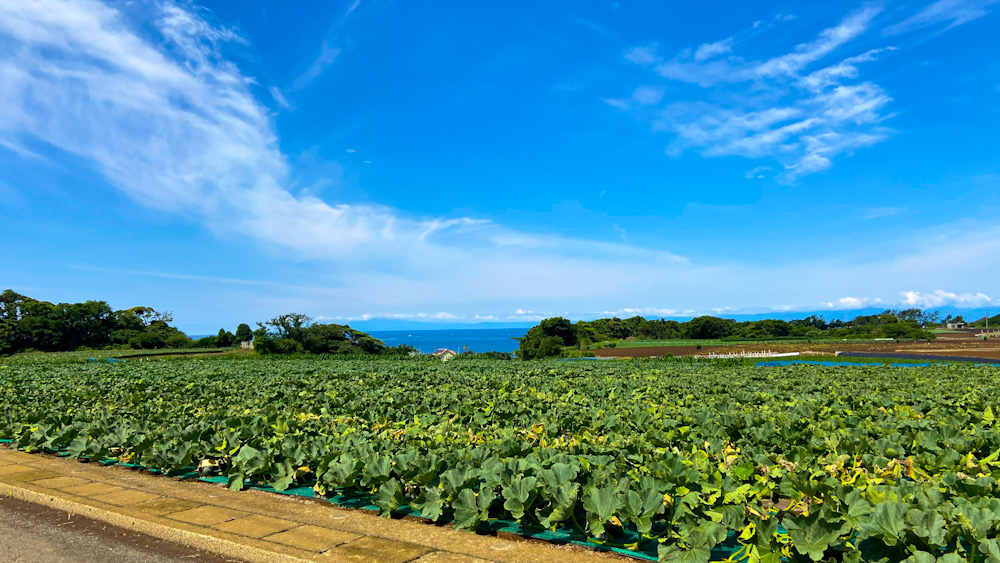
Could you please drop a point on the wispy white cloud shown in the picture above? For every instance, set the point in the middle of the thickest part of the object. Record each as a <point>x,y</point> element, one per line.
<point>530,318</point>
<point>832,75</point>
<point>179,132</point>
<point>327,56</point>
<point>784,107</point>
<point>709,50</point>
<point>328,53</point>
<point>952,12</point>
<point>940,298</point>
<point>440,316</point>
<point>758,173</point>
<point>592,25</point>
<point>642,96</point>
<point>176,276</point>
<point>643,312</point>
<point>854,303</point>
<point>829,39</point>
<point>643,55</point>
<point>776,19</point>
<point>618,103</point>
<point>688,68</point>
<point>279,97</point>
<point>350,9</point>
<point>176,127</point>
<point>647,95</point>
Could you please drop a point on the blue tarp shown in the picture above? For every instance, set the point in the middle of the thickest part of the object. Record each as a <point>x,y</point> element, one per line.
<point>779,363</point>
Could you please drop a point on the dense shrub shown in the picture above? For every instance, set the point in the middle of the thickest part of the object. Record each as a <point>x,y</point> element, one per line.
<point>206,342</point>
<point>147,341</point>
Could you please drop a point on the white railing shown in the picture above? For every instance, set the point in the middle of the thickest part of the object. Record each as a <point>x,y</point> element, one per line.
<point>745,354</point>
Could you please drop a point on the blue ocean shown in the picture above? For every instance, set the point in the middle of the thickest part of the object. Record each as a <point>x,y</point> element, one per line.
<point>474,339</point>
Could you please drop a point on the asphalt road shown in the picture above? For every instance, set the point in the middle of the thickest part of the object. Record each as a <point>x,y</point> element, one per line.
<point>31,533</point>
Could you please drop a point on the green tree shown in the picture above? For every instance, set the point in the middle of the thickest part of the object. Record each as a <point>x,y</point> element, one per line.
<point>327,339</point>
<point>147,341</point>
<point>12,305</point>
<point>766,328</point>
<point>613,328</point>
<point>709,328</point>
<point>290,325</point>
<point>267,343</point>
<point>277,335</point>
<point>370,345</point>
<point>179,340</point>
<point>541,340</point>
<point>225,339</point>
<point>561,327</point>
<point>27,323</point>
<point>205,342</point>
<point>84,324</point>
<point>170,334</point>
<point>403,350</point>
<point>550,346</point>
<point>8,344</point>
<point>243,333</point>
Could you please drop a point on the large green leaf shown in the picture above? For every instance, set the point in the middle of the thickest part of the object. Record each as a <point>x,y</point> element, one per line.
<point>886,523</point>
<point>429,503</point>
<point>812,535</point>
<point>390,497</point>
<point>601,504</point>
<point>518,495</point>
<point>991,550</point>
<point>471,508</point>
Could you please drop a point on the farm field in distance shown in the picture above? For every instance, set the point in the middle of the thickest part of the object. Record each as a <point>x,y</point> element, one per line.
<point>123,354</point>
<point>690,342</point>
<point>948,343</point>
<point>684,461</point>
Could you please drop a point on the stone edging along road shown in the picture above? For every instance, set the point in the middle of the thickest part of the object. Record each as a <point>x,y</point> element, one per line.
<point>253,525</point>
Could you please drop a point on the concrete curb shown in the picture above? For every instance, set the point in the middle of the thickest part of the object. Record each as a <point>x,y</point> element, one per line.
<point>163,532</point>
<point>253,525</point>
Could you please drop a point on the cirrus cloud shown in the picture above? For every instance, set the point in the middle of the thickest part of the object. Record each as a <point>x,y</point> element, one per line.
<point>154,109</point>
<point>784,108</point>
<point>954,12</point>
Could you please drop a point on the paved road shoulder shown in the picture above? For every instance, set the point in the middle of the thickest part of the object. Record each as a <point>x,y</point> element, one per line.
<point>252,525</point>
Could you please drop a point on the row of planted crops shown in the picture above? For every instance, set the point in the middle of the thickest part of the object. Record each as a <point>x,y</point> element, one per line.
<point>683,462</point>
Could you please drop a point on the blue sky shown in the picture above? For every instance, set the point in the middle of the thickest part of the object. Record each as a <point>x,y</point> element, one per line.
<point>462,162</point>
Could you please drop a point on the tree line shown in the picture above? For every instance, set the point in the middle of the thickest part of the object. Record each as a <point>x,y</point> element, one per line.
<point>552,336</point>
<point>295,333</point>
<point>28,324</point>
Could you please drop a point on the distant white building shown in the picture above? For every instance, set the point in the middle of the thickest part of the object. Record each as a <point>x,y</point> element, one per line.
<point>956,326</point>
<point>444,353</point>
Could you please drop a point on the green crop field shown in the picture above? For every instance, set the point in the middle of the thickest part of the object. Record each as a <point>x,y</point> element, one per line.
<point>124,354</point>
<point>684,461</point>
